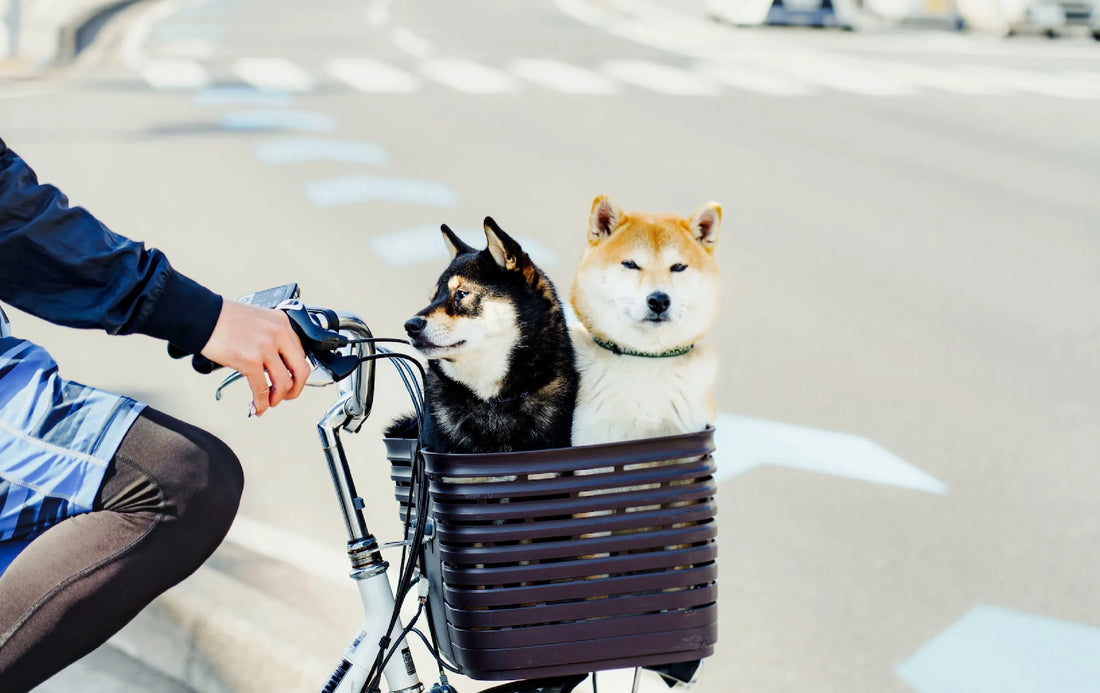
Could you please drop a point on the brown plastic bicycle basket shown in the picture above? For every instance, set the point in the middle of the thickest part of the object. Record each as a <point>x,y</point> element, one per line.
<point>571,560</point>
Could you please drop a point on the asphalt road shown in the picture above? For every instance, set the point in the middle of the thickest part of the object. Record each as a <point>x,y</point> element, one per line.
<point>909,249</point>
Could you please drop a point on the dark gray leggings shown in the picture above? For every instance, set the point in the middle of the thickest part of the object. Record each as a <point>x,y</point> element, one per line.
<point>167,501</point>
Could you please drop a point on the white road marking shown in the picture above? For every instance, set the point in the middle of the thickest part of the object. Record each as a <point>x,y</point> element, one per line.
<point>996,650</point>
<point>372,76</point>
<point>744,443</point>
<point>754,78</point>
<point>413,44</point>
<point>564,77</point>
<point>660,78</point>
<point>274,74</point>
<point>843,74</point>
<point>470,77</point>
<point>175,73</point>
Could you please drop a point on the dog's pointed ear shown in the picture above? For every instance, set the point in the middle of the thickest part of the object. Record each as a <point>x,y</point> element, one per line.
<point>604,218</point>
<point>505,251</point>
<point>455,245</point>
<point>705,223</point>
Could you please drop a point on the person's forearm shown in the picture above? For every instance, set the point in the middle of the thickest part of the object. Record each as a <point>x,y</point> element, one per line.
<point>61,264</point>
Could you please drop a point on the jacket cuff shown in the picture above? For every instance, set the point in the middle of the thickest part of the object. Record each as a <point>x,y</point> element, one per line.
<point>185,314</point>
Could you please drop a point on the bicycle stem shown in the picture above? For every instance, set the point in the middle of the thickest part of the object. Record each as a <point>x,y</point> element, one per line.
<point>368,569</point>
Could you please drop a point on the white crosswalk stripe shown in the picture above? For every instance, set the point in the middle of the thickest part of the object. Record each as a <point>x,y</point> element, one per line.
<point>564,77</point>
<point>660,78</point>
<point>470,77</point>
<point>274,74</point>
<point>175,73</point>
<point>778,74</point>
<point>373,76</point>
<point>842,74</point>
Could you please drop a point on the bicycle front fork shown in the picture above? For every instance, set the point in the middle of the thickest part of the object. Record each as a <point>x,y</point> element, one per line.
<point>378,603</point>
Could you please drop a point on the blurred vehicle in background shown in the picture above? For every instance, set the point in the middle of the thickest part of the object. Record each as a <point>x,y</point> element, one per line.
<point>817,13</point>
<point>998,17</point>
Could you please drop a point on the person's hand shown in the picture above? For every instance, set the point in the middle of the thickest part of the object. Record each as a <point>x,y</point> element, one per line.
<point>258,341</point>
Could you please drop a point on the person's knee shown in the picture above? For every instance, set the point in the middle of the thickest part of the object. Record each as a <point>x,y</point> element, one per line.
<point>207,488</point>
<point>199,478</point>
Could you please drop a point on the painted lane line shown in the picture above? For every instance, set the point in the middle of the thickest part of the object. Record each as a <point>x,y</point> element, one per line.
<point>852,75</point>
<point>299,150</point>
<point>744,443</point>
<point>564,77</point>
<point>413,44</point>
<point>176,73</point>
<point>748,77</point>
<point>334,192</point>
<point>422,244</point>
<point>469,77</point>
<point>996,650</point>
<point>660,78</point>
<point>234,94</point>
<point>274,74</point>
<point>372,76</point>
<point>262,120</point>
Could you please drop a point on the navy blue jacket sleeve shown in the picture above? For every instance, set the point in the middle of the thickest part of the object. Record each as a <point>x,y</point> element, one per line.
<point>61,264</point>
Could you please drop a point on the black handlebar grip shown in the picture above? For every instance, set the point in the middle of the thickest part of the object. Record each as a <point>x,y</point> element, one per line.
<point>204,365</point>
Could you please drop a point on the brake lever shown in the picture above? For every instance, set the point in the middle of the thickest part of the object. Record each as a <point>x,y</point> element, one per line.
<point>327,366</point>
<point>232,378</point>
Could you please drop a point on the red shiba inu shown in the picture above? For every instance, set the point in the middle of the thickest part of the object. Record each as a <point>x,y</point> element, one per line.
<point>646,294</point>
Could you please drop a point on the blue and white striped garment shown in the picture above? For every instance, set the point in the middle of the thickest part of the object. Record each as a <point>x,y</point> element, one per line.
<point>56,439</point>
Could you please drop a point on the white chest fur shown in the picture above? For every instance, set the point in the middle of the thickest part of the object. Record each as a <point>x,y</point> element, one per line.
<point>628,397</point>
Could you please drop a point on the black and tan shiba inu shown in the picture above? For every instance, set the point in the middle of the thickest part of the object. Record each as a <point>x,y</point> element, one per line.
<point>500,362</point>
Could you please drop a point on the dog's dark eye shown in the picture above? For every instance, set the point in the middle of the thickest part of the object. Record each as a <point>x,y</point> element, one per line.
<point>630,264</point>
<point>458,296</point>
<point>678,267</point>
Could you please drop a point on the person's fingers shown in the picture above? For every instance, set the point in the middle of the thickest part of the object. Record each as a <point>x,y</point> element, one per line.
<point>299,372</point>
<point>280,379</point>
<point>261,391</point>
<point>294,358</point>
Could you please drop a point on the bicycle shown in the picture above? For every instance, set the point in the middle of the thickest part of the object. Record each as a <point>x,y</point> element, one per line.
<point>534,567</point>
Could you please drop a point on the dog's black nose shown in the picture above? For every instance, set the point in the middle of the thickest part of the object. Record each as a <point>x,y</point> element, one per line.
<point>658,302</point>
<point>415,326</point>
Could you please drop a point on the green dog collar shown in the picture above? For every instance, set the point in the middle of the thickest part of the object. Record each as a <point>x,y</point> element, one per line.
<point>616,349</point>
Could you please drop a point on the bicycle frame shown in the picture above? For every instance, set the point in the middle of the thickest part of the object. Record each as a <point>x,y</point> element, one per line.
<point>369,570</point>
